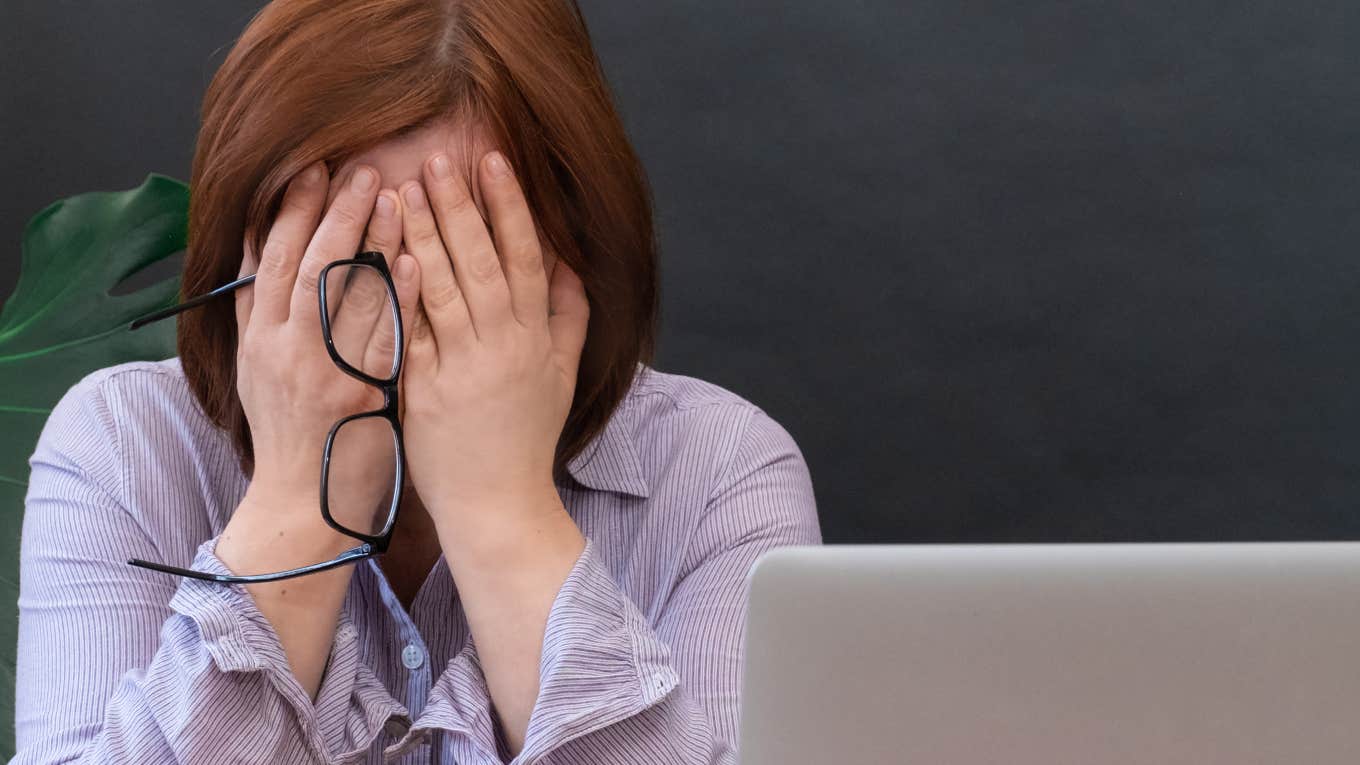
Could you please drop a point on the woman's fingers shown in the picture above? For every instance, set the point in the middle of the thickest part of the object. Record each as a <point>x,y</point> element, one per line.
<point>516,241</point>
<point>475,262</point>
<point>358,302</point>
<point>440,293</point>
<point>570,317</point>
<point>381,351</point>
<point>288,239</point>
<point>337,238</point>
<point>245,296</point>
<point>406,278</point>
<point>422,356</point>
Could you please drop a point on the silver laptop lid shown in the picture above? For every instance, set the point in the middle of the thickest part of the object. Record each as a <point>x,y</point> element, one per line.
<point>1168,653</point>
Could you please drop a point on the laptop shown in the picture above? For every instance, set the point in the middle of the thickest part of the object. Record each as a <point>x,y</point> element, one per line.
<point>1108,654</point>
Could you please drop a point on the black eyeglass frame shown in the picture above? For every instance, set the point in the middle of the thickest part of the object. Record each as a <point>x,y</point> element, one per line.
<point>372,544</point>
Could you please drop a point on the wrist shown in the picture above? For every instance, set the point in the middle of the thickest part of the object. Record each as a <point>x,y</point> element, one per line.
<point>454,512</point>
<point>272,532</point>
<point>508,532</point>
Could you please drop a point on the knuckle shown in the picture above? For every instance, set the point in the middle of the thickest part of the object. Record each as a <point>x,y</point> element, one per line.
<point>384,344</point>
<point>347,217</point>
<point>424,236</point>
<point>366,297</point>
<point>442,295</point>
<point>307,278</point>
<point>484,268</point>
<point>460,204</point>
<point>526,259</point>
<point>274,259</point>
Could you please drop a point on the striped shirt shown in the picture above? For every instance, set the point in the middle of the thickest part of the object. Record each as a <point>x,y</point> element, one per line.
<point>641,660</point>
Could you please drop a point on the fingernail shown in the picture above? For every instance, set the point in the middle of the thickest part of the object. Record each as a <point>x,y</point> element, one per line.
<point>415,198</point>
<point>406,267</point>
<point>497,164</point>
<point>386,206</point>
<point>440,166</point>
<point>363,179</point>
<point>314,172</point>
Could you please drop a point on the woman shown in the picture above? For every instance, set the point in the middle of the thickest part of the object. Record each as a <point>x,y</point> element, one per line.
<point>565,583</point>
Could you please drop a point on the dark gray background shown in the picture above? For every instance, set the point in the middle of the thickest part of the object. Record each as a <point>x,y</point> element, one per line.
<point>1005,270</point>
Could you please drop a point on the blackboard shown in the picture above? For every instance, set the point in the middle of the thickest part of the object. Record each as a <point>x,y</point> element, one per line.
<point>1040,271</point>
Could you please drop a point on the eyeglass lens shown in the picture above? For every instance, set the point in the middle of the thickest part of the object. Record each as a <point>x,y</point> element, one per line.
<point>361,475</point>
<point>363,319</point>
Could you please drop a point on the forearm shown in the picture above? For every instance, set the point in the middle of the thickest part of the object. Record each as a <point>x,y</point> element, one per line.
<point>181,709</point>
<point>509,557</point>
<point>215,684</point>
<point>303,610</point>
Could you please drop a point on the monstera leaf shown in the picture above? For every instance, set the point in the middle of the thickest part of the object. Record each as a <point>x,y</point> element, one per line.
<point>61,323</point>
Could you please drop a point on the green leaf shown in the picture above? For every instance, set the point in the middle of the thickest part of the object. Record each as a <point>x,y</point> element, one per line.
<point>62,323</point>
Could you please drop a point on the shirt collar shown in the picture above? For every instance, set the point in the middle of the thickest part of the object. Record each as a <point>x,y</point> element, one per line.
<point>609,461</point>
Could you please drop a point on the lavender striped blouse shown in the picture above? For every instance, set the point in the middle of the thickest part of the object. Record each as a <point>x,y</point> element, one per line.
<point>680,493</point>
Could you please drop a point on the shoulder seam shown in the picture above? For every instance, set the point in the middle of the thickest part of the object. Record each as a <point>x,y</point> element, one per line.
<point>732,399</point>
<point>100,403</point>
<point>99,381</point>
<point>721,484</point>
<point>111,426</point>
<point>127,368</point>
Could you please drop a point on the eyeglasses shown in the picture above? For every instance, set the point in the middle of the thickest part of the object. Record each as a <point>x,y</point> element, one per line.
<point>350,295</point>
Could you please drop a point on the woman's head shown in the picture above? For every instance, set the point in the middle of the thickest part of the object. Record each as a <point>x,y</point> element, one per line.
<point>382,80</point>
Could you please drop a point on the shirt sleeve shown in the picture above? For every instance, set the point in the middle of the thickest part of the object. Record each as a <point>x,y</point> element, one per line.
<point>618,687</point>
<point>118,664</point>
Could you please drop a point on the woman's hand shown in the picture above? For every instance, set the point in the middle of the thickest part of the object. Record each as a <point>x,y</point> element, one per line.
<point>292,392</point>
<point>290,389</point>
<point>492,360</point>
<point>489,379</point>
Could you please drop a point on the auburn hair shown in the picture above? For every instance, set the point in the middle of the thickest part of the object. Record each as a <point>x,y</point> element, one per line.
<point>316,80</point>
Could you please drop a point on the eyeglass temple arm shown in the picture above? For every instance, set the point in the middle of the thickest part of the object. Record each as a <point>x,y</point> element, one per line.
<point>348,556</point>
<point>192,303</point>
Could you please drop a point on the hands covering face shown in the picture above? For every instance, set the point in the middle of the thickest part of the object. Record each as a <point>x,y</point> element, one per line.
<point>493,342</point>
<point>494,347</point>
<point>291,392</point>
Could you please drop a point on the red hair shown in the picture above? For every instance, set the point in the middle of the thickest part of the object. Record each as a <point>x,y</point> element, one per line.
<point>325,80</point>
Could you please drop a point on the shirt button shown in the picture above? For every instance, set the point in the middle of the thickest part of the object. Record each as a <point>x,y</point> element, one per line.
<point>412,656</point>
